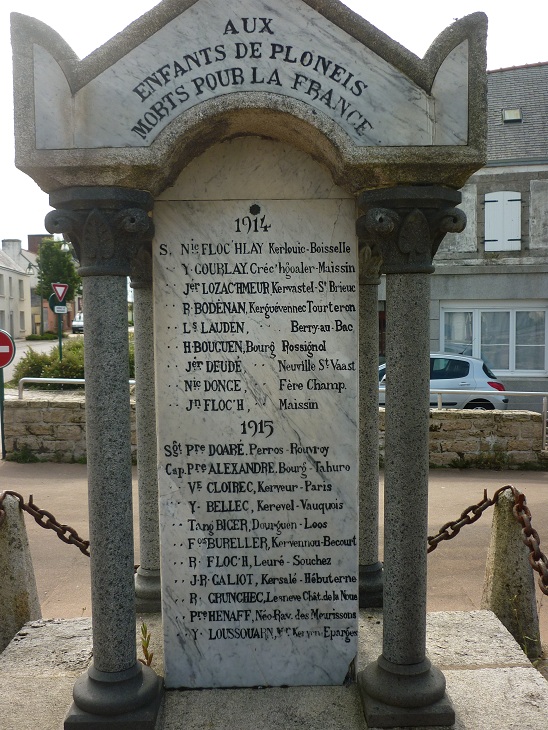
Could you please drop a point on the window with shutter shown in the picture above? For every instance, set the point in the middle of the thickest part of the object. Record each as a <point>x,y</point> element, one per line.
<point>503,221</point>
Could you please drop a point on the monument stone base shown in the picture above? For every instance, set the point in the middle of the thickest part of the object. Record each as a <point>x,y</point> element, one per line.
<point>380,715</point>
<point>404,695</point>
<point>464,643</point>
<point>143,719</point>
<point>132,704</point>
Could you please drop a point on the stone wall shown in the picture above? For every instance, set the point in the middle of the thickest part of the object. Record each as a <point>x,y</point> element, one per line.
<point>483,439</point>
<point>53,429</point>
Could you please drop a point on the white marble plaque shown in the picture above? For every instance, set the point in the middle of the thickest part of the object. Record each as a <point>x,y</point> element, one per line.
<point>256,354</point>
<point>214,50</point>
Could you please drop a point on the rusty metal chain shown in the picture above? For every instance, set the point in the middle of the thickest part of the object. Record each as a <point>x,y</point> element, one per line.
<point>47,520</point>
<point>522,513</point>
<point>531,538</point>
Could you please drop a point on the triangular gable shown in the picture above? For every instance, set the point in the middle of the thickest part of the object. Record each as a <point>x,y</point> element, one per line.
<point>185,62</point>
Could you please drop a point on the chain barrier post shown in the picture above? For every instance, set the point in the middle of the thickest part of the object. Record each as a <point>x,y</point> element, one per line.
<point>18,594</point>
<point>509,586</point>
<point>46,520</point>
<point>537,559</point>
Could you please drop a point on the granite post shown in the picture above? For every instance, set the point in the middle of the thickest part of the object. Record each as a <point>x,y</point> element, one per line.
<point>509,586</point>
<point>402,688</point>
<point>18,594</point>
<point>147,578</point>
<point>370,570</point>
<point>106,227</point>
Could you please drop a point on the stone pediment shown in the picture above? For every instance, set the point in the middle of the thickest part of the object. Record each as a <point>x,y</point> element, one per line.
<point>191,73</point>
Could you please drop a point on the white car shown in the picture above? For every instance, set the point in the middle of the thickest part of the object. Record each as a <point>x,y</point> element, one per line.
<point>458,372</point>
<point>78,324</point>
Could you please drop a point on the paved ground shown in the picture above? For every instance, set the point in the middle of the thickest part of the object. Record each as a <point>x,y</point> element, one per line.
<point>456,568</point>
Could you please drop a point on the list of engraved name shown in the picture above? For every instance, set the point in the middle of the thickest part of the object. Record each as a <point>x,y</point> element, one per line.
<point>260,456</point>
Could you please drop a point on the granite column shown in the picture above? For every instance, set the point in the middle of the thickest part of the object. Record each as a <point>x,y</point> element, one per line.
<point>147,578</point>
<point>402,688</point>
<point>370,571</point>
<point>107,226</point>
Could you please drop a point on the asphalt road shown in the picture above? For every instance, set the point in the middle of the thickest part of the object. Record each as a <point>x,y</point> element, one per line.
<point>456,568</point>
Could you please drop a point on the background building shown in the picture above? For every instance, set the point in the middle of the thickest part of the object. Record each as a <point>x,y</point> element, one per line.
<point>38,315</point>
<point>15,297</point>
<point>490,288</point>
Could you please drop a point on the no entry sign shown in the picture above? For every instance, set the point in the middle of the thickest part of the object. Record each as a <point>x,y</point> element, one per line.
<point>7,349</point>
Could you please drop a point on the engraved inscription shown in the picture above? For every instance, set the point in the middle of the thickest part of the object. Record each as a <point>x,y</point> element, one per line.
<point>256,363</point>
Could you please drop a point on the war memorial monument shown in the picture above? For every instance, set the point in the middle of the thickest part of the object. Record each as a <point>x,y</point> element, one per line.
<point>254,167</point>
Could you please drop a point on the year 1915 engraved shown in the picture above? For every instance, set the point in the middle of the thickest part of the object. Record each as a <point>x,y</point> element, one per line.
<point>254,428</point>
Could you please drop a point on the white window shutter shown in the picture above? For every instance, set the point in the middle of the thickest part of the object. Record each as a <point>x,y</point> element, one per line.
<point>512,221</point>
<point>503,221</point>
<point>493,221</point>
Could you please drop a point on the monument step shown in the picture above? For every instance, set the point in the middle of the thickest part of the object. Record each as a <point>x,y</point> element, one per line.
<point>478,656</point>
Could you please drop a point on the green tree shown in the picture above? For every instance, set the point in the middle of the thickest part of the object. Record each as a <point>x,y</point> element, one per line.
<point>56,265</point>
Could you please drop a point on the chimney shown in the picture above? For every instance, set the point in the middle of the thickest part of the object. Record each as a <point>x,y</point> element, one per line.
<point>35,240</point>
<point>12,247</point>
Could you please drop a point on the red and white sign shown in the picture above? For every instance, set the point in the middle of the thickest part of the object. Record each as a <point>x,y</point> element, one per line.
<point>7,349</point>
<point>60,290</point>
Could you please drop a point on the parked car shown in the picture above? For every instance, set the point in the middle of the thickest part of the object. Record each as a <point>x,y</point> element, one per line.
<point>78,324</point>
<point>458,372</point>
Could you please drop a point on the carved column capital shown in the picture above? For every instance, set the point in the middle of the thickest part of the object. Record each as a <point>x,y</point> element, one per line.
<point>369,253</point>
<point>407,224</point>
<point>107,226</point>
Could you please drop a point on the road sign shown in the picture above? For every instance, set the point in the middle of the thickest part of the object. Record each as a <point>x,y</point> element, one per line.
<point>60,290</point>
<point>60,309</point>
<point>54,303</point>
<point>7,349</point>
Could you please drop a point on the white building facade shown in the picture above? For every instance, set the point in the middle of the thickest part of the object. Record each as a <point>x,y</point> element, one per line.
<point>15,292</point>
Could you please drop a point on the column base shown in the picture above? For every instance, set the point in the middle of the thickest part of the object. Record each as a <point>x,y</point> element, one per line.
<point>380,715</point>
<point>148,591</point>
<point>371,585</point>
<point>144,719</point>
<point>402,695</point>
<point>128,700</point>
